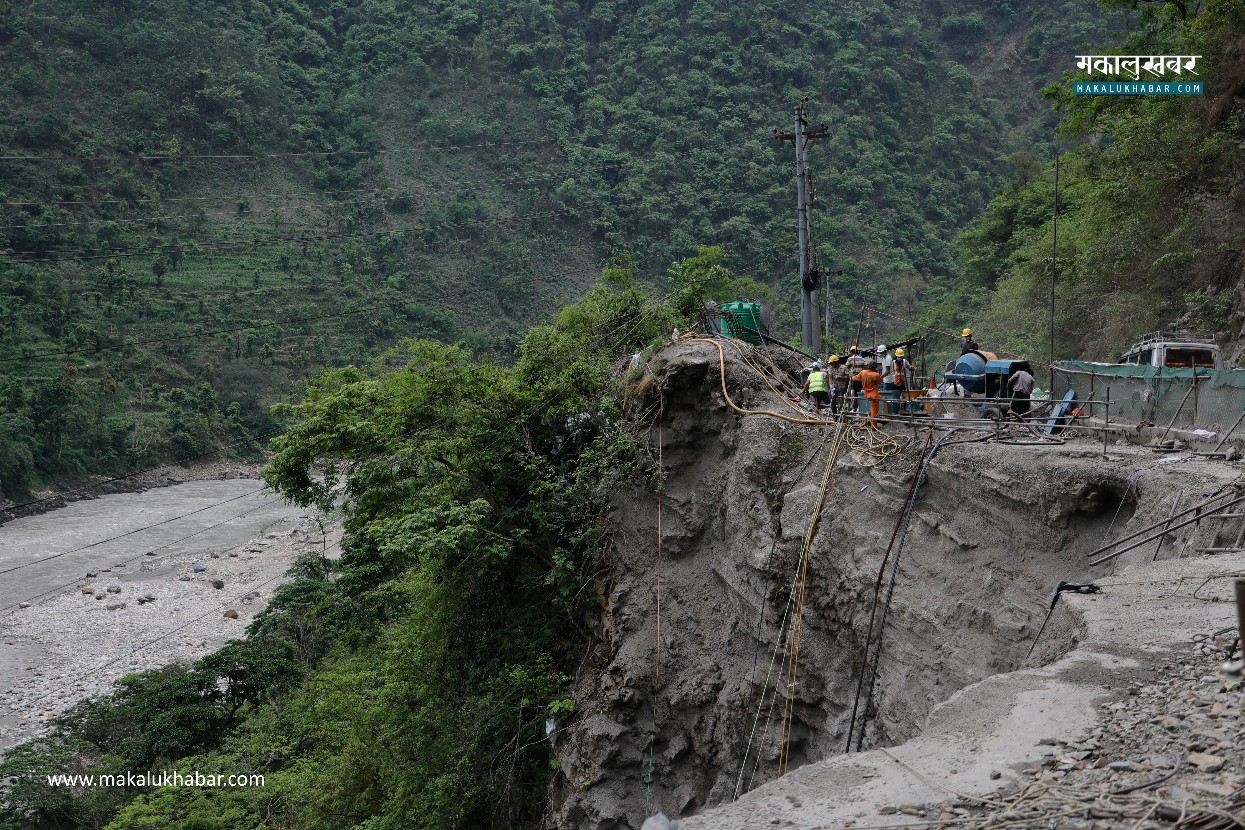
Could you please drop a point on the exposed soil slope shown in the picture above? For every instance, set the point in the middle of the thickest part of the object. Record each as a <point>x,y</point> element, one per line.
<point>995,527</point>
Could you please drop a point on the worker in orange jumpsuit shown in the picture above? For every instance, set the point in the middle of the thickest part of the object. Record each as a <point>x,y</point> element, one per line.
<point>870,381</point>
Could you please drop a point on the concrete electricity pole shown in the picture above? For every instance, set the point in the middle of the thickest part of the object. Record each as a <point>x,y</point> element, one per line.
<point>802,137</point>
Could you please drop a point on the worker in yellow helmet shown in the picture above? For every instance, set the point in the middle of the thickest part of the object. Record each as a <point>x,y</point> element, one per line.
<point>839,378</point>
<point>969,344</point>
<point>902,370</point>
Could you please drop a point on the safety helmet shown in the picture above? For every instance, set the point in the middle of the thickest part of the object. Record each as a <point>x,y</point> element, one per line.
<point>834,358</point>
<point>852,349</point>
<point>899,352</point>
<point>816,364</point>
<point>967,333</point>
<point>881,348</point>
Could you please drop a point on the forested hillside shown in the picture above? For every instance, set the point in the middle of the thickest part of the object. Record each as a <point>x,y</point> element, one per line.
<point>458,170</point>
<point>1152,203</point>
<point>202,204</point>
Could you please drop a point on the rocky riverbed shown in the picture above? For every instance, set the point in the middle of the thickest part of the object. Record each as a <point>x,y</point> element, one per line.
<point>124,614</point>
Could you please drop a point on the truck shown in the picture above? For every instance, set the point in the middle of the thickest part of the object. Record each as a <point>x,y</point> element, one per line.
<point>1173,350</point>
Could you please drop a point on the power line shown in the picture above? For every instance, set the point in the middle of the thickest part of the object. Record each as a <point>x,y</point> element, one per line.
<point>430,148</point>
<point>444,295</point>
<point>497,524</point>
<point>127,533</point>
<point>97,484</point>
<point>286,197</point>
<point>221,246</point>
<point>141,555</point>
<point>198,456</point>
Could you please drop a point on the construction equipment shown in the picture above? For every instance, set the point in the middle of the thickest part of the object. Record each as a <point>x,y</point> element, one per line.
<point>969,371</point>
<point>999,372</point>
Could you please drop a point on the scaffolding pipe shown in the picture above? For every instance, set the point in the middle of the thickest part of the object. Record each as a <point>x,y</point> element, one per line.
<point>1176,414</point>
<point>1154,526</point>
<point>1165,531</point>
<point>1229,432</point>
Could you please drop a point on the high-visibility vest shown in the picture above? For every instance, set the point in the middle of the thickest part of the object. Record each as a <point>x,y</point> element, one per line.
<point>901,375</point>
<point>817,382</point>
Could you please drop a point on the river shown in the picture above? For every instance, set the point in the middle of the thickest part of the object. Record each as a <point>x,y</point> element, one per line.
<point>202,551</point>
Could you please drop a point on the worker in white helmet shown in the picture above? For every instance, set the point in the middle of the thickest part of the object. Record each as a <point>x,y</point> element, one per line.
<point>885,361</point>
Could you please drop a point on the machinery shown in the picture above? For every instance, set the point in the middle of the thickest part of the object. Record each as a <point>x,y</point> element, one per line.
<point>999,372</point>
<point>969,371</point>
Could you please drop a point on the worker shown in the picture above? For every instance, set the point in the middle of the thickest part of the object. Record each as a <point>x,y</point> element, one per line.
<point>1021,384</point>
<point>969,344</point>
<point>901,371</point>
<point>817,384</point>
<point>839,378</point>
<point>886,366</point>
<point>870,381</point>
<point>855,364</point>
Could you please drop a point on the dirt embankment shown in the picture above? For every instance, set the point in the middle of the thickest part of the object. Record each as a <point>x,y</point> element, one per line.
<point>685,720</point>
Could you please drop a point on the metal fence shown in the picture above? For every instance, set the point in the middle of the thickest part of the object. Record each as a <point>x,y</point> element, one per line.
<point>1212,401</point>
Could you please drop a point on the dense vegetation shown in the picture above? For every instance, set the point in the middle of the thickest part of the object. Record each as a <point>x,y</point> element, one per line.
<point>225,197</point>
<point>409,683</point>
<point>1152,203</point>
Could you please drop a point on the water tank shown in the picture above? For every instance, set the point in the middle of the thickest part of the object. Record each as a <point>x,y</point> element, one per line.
<point>736,316</point>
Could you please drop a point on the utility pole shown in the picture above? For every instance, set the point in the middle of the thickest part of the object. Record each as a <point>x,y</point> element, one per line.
<point>1054,276</point>
<point>802,137</point>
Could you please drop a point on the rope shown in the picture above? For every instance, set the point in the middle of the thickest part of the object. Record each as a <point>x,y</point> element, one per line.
<point>661,415</point>
<point>797,624</point>
<point>900,534</point>
<point>873,443</point>
<point>786,400</point>
<point>739,784</point>
<point>877,591</point>
<point>756,652</point>
<point>731,403</point>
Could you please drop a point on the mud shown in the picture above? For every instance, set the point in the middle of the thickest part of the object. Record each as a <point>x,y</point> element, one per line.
<point>666,723</point>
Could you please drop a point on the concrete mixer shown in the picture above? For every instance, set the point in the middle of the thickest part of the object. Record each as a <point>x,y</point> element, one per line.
<point>969,371</point>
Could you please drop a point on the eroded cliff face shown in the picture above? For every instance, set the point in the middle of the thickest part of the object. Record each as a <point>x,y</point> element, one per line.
<point>995,527</point>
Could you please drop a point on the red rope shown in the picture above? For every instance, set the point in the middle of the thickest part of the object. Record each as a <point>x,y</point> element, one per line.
<point>661,412</point>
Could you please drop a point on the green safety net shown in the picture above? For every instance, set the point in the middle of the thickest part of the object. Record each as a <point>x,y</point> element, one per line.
<point>1158,395</point>
<point>1218,378</point>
